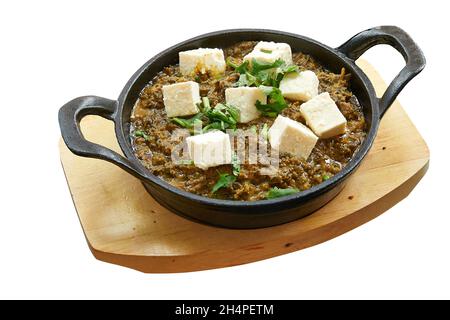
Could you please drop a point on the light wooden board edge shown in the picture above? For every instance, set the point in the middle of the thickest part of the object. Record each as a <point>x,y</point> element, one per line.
<point>206,261</point>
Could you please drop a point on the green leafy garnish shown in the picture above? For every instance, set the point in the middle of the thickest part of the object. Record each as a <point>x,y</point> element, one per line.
<point>225,113</point>
<point>236,164</point>
<point>221,117</point>
<point>266,51</point>
<point>261,73</point>
<point>225,180</point>
<point>243,81</point>
<point>276,102</point>
<point>240,68</point>
<point>277,192</point>
<point>260,66</point>
<point>205,106</point>
<point>325,177</point>
<point>141,133</point>
<point>288,69</point>
<point>188,123</point>
<point>215,126</point>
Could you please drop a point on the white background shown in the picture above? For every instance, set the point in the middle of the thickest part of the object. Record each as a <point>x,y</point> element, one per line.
<point>53,51</point>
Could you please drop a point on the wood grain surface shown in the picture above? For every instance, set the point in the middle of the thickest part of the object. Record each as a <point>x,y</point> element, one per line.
<point>124,225</point>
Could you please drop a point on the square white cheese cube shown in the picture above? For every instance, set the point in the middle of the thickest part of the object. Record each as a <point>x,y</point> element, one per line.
<point>180,99</point>
<point>202,60</point>
<point>209,149</point>
<point>244,99</point>
<point>323,116</point>
<point>292,137</point>
<point>301,86</point>
<point>268,52</point>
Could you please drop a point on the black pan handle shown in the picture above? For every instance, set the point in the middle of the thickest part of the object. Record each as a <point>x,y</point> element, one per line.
<point>402,42</point>
<point>69,118</point>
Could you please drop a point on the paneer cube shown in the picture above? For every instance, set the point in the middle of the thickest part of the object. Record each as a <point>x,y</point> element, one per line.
<point>209,149</point>
<point>292,137</point>
<point>202,60</point>
<point>301,86</point>
<point>244,98</point>
<point>180,99</point>
<point>268,52</point>
<point>323,116</point>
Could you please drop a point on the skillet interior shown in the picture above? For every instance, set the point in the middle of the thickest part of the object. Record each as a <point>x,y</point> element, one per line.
<point>323,54</point>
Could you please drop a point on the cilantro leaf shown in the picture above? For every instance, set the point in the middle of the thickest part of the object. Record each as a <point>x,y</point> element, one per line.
<point>252,80</point>
<point>236,163</point>
<point>242,82</point>
<point>277,192</point>
<point>204,106</point>
<point>261,73</point>
<point>281,72</point>
<point>188,123</point>
<point>141,133</point>
<point>231,63</point>
<point>259,66</point>
<point>276,103</point>
<point>225,180</point>
<point>241,68</point>
<point>248,80</point>
<point>221,117</point>
<point>289,69</point>
<point>220,125</point>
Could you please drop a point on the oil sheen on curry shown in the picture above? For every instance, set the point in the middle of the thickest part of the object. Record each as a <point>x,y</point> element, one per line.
<point>250,122</point>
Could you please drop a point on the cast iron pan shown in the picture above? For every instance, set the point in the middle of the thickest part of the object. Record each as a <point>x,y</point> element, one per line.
<point>244,214</point>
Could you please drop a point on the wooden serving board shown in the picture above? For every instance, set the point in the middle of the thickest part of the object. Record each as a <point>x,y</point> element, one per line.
<point>124,225</point>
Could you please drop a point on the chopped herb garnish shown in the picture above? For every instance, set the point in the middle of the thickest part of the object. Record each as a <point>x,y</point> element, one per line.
<point>325,177</point>
<point>188,123</point>
<point>141,133</point>
<point>251,79</point>
<point>288,69</point>
<point>236,163</point>
<point>240,68</point>
<point>221,117</point>
<point>225,113</point>
<point>243,81</point>
<point>266,51</point>
<point>225,180</point>
<point>275,102</point>
<point>231,63</point>
<point>205,106</point>
<point>216,126</point>
<point>259,66</point>
<point>277,192</point>
<point>261,73</point>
